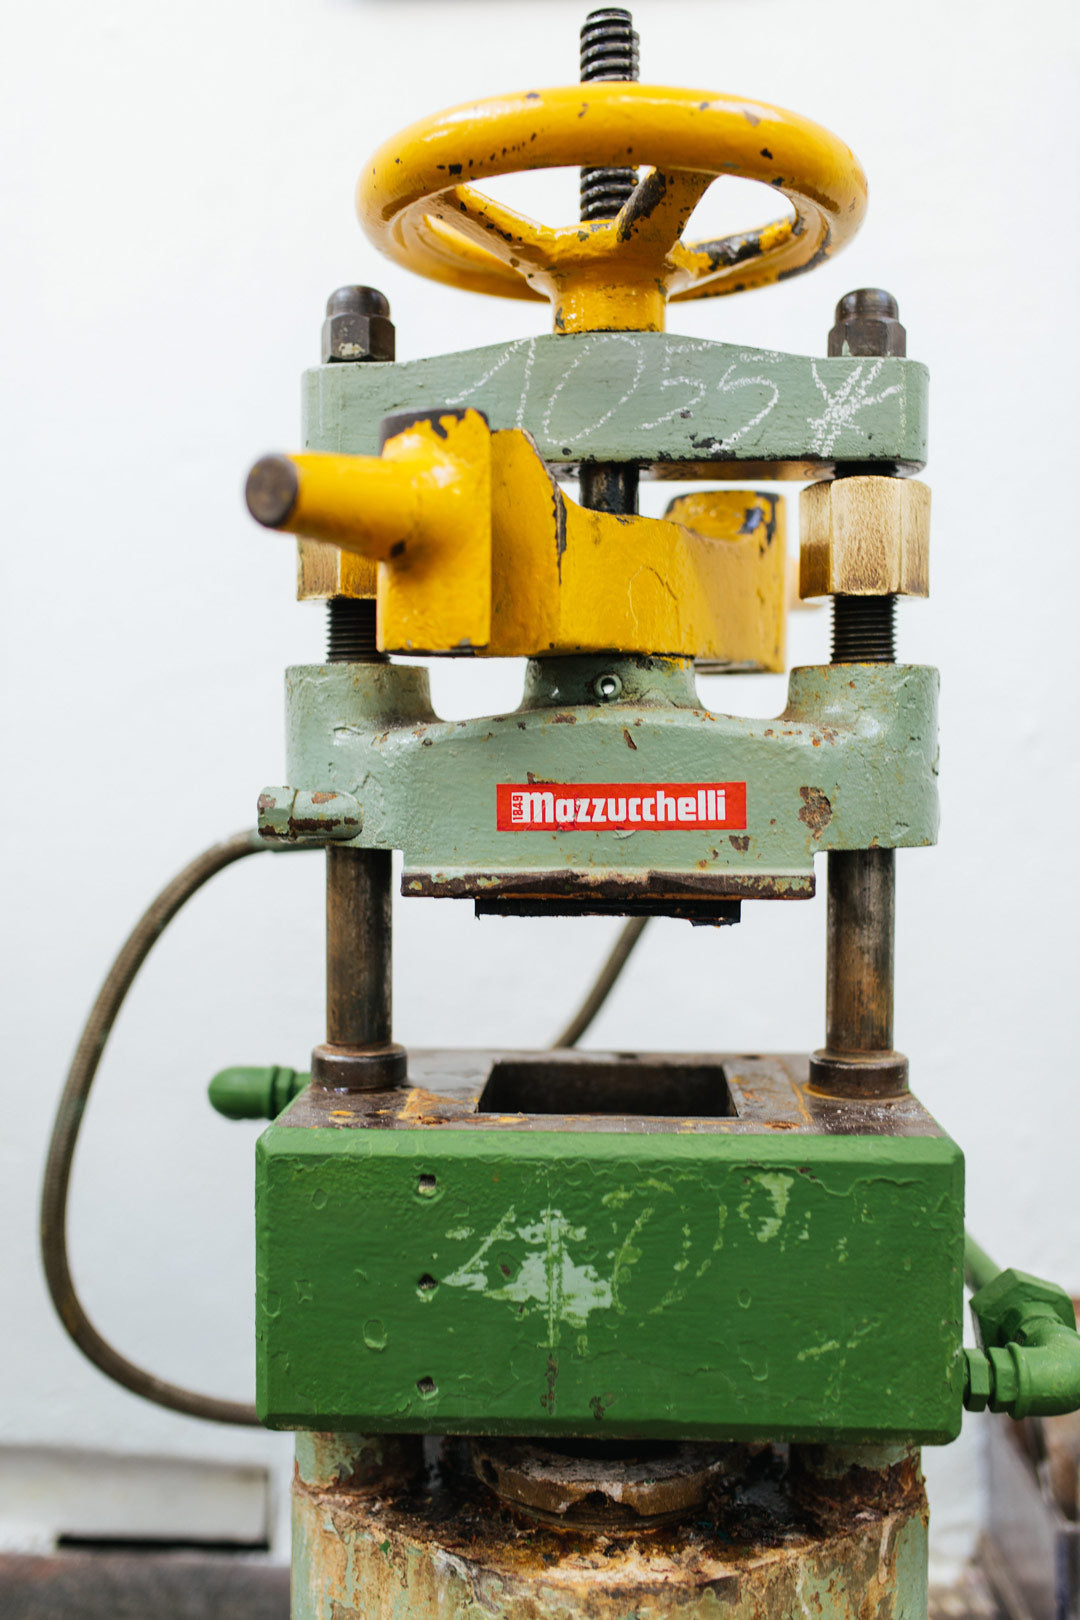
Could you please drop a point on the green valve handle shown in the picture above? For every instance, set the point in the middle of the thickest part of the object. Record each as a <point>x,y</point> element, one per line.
<point>255,1093</point>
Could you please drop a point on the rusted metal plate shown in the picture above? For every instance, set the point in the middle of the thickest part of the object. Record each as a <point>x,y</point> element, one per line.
<point>699,897</point>
<point>629,1093</point>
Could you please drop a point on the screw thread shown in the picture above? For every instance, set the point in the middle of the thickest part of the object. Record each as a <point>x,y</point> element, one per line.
<point>609,50</point>
<point>351,631</point>
<point>864,630</point>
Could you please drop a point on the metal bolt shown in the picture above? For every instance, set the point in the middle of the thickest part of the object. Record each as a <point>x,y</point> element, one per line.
<point>864,630</point>
<point>868,323</point>
<point>609,50</point>
<point>357,326</point>
<point>607,687</point>
<point>352,631</point>
<point>858,1057</point>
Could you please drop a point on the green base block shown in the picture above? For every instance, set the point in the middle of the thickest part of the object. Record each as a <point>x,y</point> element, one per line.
<point>715,1278</point>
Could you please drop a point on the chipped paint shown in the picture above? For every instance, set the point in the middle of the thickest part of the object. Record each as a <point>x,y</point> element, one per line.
<point>778,1188</point>
<point>609,275</point>
<point>548,1276</point>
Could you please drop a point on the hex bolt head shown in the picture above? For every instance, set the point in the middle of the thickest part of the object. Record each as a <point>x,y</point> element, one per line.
<point>357,326</point>
<point>868,323</point>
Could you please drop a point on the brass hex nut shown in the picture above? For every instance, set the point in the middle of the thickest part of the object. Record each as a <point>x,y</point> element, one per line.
<point>864,537</point>
<point>324,570</point>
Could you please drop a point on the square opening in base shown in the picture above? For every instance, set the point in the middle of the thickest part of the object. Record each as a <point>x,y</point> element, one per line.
<point>578,1083</point>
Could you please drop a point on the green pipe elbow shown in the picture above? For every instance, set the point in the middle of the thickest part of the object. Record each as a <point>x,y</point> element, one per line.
<point>1028,1363</point>
<point>1040,1378</point>
<point>1048,1369</point>
<point>244,1093</point>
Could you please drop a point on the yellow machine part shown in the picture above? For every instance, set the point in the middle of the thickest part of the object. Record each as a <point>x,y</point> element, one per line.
<point>566,579</point>
<point>611,275</point>
<point>478,549</point>
<point>422,511</point>
<point>750,568</point>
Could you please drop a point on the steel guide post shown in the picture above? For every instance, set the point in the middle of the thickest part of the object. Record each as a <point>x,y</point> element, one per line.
<point>858,1058</point>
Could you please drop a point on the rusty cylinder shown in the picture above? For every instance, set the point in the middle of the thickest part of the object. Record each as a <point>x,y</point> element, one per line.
<point>358,947</point>
<point>860,930</point>
<point>359,1054</point>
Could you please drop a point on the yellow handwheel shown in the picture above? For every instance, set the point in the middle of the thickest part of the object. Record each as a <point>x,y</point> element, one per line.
<point>417,203</point>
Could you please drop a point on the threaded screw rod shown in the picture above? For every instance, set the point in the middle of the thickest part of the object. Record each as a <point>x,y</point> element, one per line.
<point>864,630</point>
<point>609,50</point>
<point>351,631</point>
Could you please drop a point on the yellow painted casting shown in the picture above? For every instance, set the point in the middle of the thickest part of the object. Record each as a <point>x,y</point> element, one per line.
<point>478,549</point>
<point>748,566</point>
<point>422,510</point>
<point>418,204</point>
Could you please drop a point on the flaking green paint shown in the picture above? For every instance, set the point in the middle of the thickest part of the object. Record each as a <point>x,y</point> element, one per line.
<point>773,1286</point>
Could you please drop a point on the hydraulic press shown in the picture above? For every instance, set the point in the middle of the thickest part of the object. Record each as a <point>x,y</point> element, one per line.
<point>612,1333</point>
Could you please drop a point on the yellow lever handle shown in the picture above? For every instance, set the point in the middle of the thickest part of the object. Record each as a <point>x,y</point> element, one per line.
<point>422,509</point>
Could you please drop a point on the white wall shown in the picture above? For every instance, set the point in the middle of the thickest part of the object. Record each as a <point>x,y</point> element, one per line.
<point>179,206</point>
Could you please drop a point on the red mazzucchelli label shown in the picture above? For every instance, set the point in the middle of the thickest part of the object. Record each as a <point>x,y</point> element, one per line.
<point>620,806</point>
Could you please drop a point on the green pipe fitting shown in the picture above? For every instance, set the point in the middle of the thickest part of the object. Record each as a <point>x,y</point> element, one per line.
<point>979,1269</point>
<point>1028,1363</point>
<point>255,1093</point>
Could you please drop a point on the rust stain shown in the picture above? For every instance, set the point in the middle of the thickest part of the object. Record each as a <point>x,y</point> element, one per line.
<point>776,1540</point>
<point>574,883</point>
<point>420,1104</point>
<point>630,743</point>
<point>548,1401</point>
<point>816,812</point>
